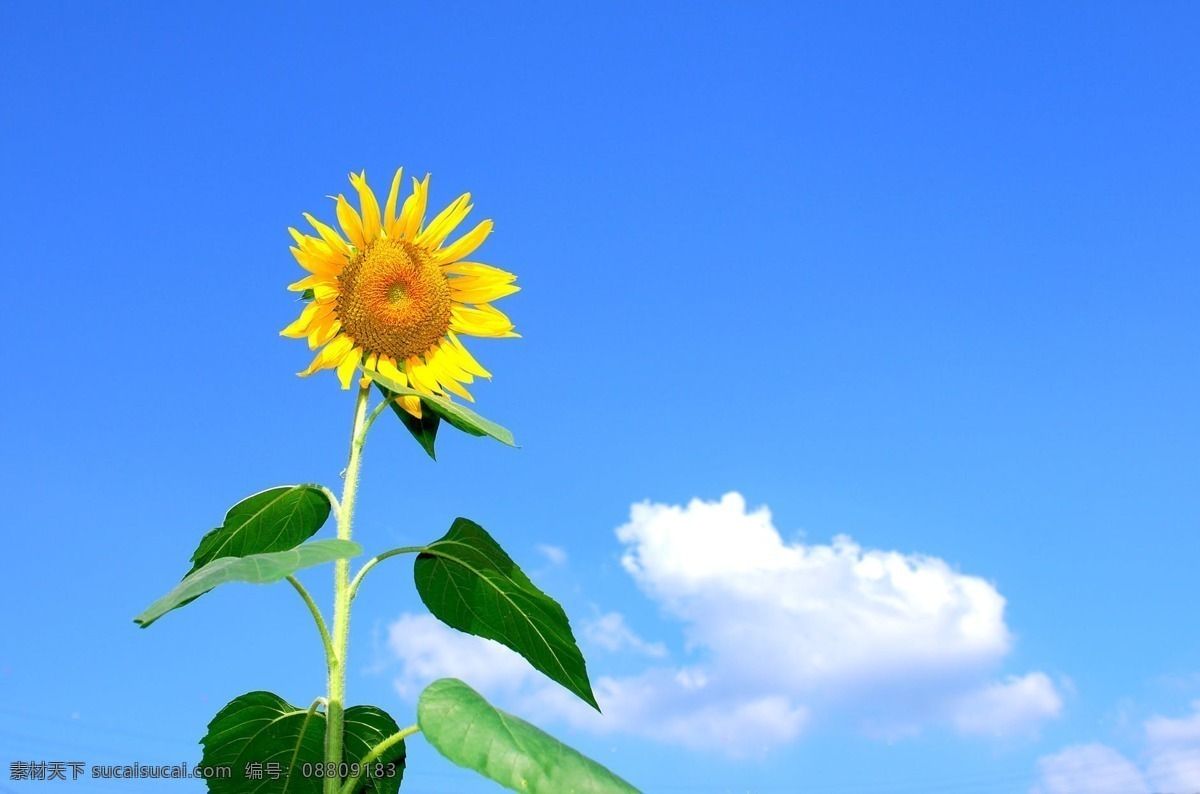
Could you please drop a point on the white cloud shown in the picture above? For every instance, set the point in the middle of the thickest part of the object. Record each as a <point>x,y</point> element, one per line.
<point>817,615</point>
<point>555,555</point>
<point>1171,763</point>
<point>671,706</point>
<point>683,707</point>
<point>779,634</point>
<point>1011,707</point>
<point>429,650</point>
<point>1089,769</point>
<point>610,632</point>
<point>1173,747</point>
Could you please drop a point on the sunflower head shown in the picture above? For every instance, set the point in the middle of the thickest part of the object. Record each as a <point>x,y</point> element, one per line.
<point>390,295</point>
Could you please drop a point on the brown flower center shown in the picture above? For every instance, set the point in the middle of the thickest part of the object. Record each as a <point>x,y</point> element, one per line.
<point>393,299</point>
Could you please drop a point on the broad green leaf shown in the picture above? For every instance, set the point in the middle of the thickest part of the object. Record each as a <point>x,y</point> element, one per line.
<point>455,414</point>
<point>272,520</point>
<point>254,568</point>
<point>364,727</point>
<point>266,744</point>
<point>472,733</point>
<point>424,430</point>
<point>273,747</point>
<point>470,584</point>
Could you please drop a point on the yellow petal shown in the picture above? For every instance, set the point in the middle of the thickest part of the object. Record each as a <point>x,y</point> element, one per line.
<point>351,223</point>
<point>464,358</point>
<point>310,282</point>
<point>340,346</point>
<point>331,237</point>
<point>411,404</point>
<point>387,368</point>
<point>445,222</point>
<point>499,318</point>
<point>389,210</point>
<point>330,355</point>
<point>480,320</point>
<point>316,246</point>
<point>413,213</point>
<point>299,328</point>
<point>451,385</point>
<point>326,292</point>
<point>472,283</point>
<point>445,358</point>
<point>348,365</point>
<point>484,294</point>
<point>315,264</point>
<point>370,207</point>
<point>319,253</point>
<point>419,376</point>
<point>465,245</point>
<point>444,370</point>
<point>477,270</point>
<point>323,330</point>
<point>480,282</point>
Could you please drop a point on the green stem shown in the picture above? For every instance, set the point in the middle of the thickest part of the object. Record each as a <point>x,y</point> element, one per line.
<point>335,709</point>
<point>316,613</point>
<point>307,719</point>
<point>378,559</point>
<point>333,500</point>
<point>377,752</point>
<point>377,411</point>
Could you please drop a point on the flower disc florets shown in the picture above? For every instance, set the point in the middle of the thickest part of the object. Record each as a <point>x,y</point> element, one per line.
<point>393,300</point>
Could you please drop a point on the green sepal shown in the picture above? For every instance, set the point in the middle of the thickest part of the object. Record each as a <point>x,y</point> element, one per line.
<point>455,414</point>
<point>469,583</point>
<point>424,430</point>
<point>472,733</point>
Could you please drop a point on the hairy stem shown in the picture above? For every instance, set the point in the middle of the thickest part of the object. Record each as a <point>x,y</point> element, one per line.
<point>341,598</point>
<point>378,410</point>
<point>378,559</point>
<point>316,613</point>
<point>377,752</point>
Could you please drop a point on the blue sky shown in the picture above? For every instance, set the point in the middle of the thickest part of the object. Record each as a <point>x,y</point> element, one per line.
<point>918,279</point>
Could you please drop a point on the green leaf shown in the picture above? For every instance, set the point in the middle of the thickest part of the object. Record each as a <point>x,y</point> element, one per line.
<point>424,430</point>
<point>469,583</point>
<point>260,729</point>
<point>365,727</point>
<point>254,568</point>
<point>272,520</point>
<point>272,747</point>
<point>454,414</point>
<point>472,733</point>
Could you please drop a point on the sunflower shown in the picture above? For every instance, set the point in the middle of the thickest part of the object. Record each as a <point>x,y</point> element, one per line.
<point>389,295</point>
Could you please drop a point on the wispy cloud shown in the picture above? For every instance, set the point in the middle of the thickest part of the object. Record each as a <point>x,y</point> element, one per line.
<point>610,632</point>
<point>555,555</point>
<point>428,650</point>
<point>1173,746</point>
<point>1171,756</point>
<point>1089,769</point>
<point>1008,707</point>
